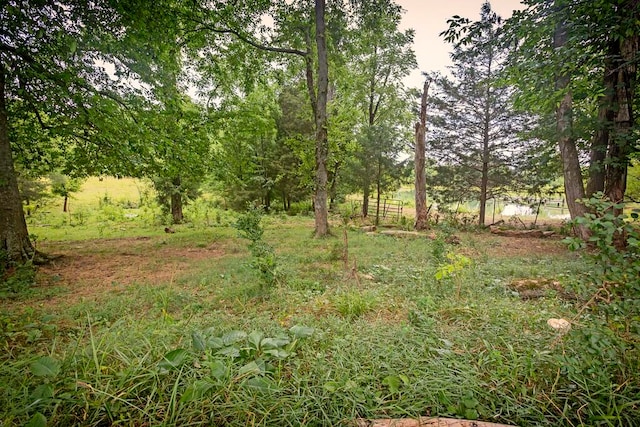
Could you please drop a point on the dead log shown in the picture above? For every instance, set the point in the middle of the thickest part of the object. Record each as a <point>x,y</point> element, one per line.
<point>425,422</point>
<point>533,234</point>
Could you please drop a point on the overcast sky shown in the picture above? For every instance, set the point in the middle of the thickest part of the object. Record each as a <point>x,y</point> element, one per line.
<point>429,18</point>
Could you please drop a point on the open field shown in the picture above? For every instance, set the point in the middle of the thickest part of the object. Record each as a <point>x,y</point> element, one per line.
<point>133,326</point>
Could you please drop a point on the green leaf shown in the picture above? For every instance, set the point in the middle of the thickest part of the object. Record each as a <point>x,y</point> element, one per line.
<point>43,391</point>
<point>392,382</point>
<point>219,370</point>
<point>196,391</point>
<point>300,331</point>
<point>255,338</point>
<point>471,414</point>
<point>198,341</point>
<point>174,359</point>
<point>262,384</point>
<point>45,367</point>
<point>331,386</point>
<point>38,420</point>
<point>272,343</point>
<point>233,337</point>
<point>215,343</point>
<point>230,352</point>
<point>278,353</point>
<point>251,368</point>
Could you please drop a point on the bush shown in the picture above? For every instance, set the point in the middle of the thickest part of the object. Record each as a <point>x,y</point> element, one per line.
<point>613,285</point>
<point>263,255</point>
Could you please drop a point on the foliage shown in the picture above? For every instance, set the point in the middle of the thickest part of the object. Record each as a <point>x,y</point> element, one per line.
<point>15,279</point>
<point>613,287</point>
<point>264,259</point>
<point>252,360</point>
<point>478,143</point>
<point>381,55</point>
<point>399,343</point>
<point>354,304</point>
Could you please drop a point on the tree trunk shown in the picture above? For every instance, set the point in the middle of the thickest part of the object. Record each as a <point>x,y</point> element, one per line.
<point>365,199</point>
<point>322,144</point>
<point>176,201</point>
<point>14,237</point>
<point>573,186</point>
<point>600,140</point>
<point>65,205</point>
<point>621,141</point>
<point>484,180</point>
<point>419,157</point>
<point>378,188</point>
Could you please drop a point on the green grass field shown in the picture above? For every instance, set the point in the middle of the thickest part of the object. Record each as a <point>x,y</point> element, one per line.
<point>136,327</point>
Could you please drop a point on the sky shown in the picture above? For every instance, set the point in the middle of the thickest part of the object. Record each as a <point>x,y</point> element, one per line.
<point>429,18</point>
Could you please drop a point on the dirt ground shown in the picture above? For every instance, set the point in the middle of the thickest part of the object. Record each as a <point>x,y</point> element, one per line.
<point>93,269</point>
<point>96,267</point>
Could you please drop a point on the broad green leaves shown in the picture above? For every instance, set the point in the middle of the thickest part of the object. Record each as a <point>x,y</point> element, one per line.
<point>45,367</point>
<point>253,360</point>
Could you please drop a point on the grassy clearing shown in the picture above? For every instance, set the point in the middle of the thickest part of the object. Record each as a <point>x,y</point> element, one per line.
<point>186,334</point>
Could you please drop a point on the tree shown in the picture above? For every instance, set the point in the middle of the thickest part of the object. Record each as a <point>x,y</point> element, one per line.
<point>52,59</point>
<point>421,222</point>
<point>245,148</point>
<point>382,57</point>
<point>573,184</point>
<point>570,44</point>
<point>212,24</point>
<point>322,143</point>
<point>62,185</point>
<point>476,127</point>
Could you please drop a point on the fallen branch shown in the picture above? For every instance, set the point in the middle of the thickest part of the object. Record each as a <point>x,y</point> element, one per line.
<point>425,422</point>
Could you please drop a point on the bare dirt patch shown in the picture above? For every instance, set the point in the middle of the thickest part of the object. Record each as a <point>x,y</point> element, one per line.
<point>95,268</point>
<point>495,246</point>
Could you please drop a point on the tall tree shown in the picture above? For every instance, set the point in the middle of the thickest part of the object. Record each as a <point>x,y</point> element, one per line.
<point>570,43</point>
<point>382,56</point>
<point>322,142</point>
<point>52,74</point>
<point>477,128</point>
<point>295,26</point>
<point>573,184</point>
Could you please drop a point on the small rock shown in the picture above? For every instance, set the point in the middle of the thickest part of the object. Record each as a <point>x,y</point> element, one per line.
<point>560,325</point>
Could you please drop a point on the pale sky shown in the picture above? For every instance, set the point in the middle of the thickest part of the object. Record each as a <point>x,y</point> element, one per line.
<point>429,18</point>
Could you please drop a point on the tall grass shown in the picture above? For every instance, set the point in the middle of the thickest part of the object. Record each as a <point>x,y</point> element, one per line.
<point>388,340</point>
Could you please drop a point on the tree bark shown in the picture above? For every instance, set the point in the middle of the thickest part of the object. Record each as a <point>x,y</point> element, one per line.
<point>378,188</point>
<point>573,186</point>
<point>176,201</point>
<point>620,142</point>
<point>600,140</point>
<point>322,144</point>
<point>419,157</point>
<point>14,237</point>
<point>366,193</point>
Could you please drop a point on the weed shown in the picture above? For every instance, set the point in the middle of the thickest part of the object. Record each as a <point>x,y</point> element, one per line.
<point>353,304</point>
<point>263,255</point>
<point>17,279</point>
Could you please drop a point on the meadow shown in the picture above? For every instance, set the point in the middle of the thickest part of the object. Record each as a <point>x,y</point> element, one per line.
<point>134,326</point>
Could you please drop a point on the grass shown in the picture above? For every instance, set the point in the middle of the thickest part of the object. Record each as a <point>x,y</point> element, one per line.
<point>388,339</point>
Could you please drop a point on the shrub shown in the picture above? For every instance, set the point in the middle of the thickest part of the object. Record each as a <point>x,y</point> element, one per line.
<point>263,255</point>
